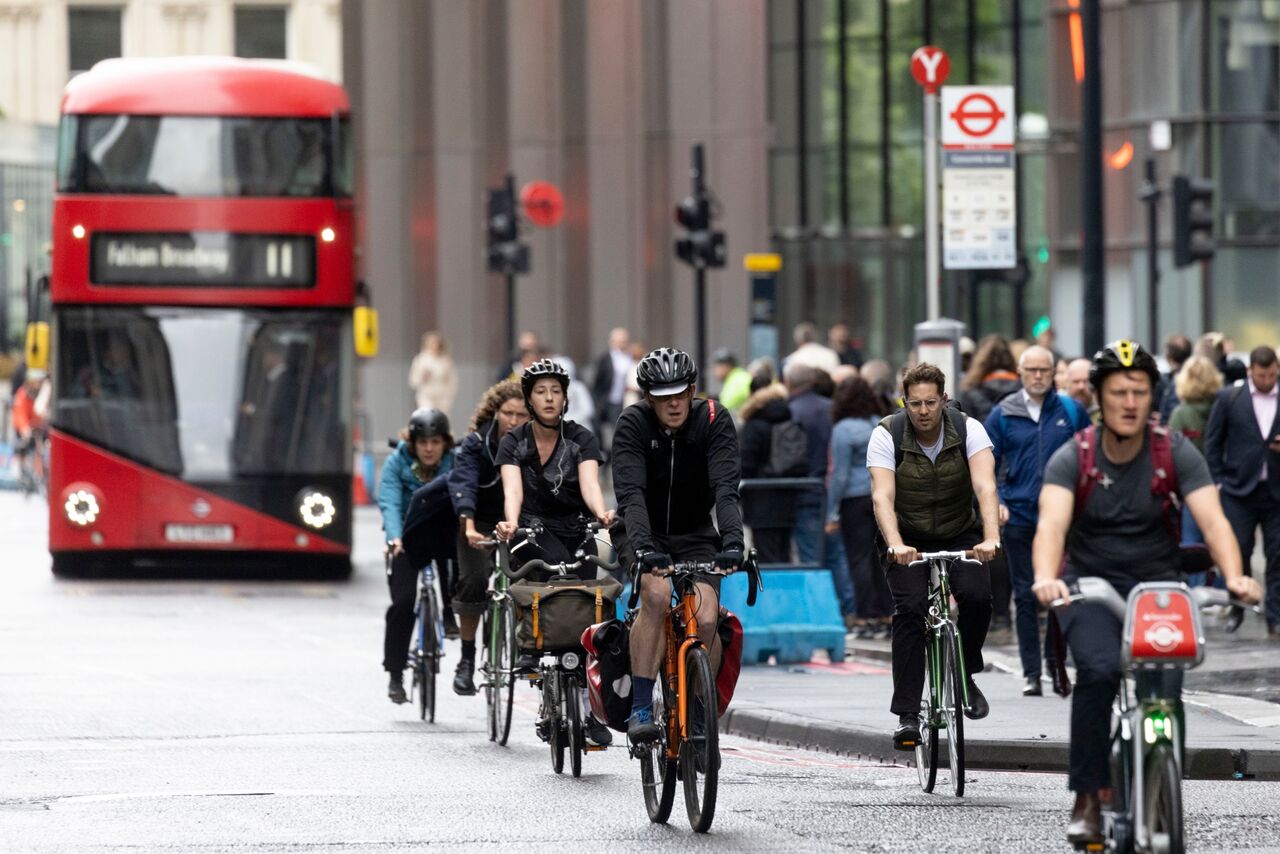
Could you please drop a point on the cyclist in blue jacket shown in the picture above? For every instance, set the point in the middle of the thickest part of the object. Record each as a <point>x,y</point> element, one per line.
<point>425,451</point>
<point>1026,427</point>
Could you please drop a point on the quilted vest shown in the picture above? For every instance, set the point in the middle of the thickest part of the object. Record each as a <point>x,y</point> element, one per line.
<point>934,499</point>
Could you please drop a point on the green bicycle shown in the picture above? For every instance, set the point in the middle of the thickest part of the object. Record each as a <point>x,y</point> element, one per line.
<point>946,684</point>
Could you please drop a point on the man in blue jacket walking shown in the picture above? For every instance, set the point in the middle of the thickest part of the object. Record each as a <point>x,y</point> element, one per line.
<point>1026,427</point>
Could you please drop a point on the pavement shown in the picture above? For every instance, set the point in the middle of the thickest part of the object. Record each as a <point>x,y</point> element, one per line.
<point>1233,733</point>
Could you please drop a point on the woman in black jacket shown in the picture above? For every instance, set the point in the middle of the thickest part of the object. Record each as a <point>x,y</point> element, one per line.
<point>475,485</point>
<point>767,512</point>
<point>992,376</point>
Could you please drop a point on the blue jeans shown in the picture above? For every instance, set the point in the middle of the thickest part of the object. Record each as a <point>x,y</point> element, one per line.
<point>815,547</point>
<point>1017,551</point>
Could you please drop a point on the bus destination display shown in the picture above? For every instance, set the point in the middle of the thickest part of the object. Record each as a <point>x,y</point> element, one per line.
<point>203,259</point>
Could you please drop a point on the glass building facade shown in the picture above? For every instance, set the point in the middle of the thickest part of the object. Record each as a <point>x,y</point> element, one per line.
<point>846,169</point>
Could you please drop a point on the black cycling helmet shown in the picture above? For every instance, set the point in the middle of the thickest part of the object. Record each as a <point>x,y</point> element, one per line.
<point>541,370</point>
<point>427,422</point>
<point>1122,355</point>
<point>665,371</point>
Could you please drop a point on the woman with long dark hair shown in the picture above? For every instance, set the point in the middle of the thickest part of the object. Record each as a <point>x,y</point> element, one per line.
<point>993,374</point>
<point>856,409</point>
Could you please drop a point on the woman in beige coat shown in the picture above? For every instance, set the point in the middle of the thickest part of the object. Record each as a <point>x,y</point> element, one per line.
<point>432,375</point>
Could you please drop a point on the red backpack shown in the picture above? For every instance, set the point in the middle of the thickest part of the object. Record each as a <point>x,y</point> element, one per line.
<point>1164,479</point>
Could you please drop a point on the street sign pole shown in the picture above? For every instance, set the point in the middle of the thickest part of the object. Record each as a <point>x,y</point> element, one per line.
<point>932,228</point>
<point>930,67</point>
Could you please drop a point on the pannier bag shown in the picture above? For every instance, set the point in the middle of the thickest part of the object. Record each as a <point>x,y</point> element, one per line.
<point>552,614</point>
<point>608,647</point>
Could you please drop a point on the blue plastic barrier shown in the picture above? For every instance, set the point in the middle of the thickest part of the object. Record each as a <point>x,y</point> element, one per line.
<point>794,615</point>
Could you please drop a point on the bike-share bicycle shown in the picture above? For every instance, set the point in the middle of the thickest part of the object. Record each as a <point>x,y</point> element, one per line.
<point>561,673</point>
<point>946,693</point>
<point>1162,634</point>
<point>686,704</point>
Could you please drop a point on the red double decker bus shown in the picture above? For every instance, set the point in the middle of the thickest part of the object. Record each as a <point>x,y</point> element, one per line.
<point>201,291</point>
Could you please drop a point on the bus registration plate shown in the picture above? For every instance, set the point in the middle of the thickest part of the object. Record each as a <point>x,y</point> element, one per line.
<point>176,533</point>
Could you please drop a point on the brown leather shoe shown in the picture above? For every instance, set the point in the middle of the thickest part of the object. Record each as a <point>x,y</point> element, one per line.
<point>1086,819</point>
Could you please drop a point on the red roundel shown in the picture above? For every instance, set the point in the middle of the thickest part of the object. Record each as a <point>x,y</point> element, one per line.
<point>542,203</point>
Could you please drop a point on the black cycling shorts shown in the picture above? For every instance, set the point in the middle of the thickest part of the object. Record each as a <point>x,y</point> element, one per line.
<point>701,545</point>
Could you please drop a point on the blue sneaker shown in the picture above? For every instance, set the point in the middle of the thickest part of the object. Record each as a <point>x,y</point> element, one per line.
<point>640,726</point>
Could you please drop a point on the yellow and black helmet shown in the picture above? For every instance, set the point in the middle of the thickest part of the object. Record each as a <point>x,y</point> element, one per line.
<point>1122,355</point>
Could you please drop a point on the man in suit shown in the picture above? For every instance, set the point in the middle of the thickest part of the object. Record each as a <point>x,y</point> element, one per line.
<point>610,382</point>
<point>1242,446</point>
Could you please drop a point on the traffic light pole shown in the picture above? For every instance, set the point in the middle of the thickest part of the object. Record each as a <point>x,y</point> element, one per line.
<point>1151,195</point>
<point>699,271</point>
<point>1092,260</point>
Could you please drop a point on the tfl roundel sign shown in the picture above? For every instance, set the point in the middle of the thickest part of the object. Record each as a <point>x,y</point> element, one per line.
<point>977,117</point>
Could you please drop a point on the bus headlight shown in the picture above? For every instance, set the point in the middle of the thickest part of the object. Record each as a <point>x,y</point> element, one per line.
<point>316,509</point>
<point>82,508</point>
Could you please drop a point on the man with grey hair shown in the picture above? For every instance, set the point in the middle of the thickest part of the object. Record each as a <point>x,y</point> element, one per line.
<point>814,546</point>
<point>1078,387</point>
<point>1026,427</point>
<point>808,351</point>
<point>879,375</point>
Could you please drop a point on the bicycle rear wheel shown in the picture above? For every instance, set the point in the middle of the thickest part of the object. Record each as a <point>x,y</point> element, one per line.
<point>700,751</point>
<point>927,746</point>
<point>657,773</point>
<point>1162,806</point>
<point>953,707</point>
<point>572,701</point>
<point>490,670</point>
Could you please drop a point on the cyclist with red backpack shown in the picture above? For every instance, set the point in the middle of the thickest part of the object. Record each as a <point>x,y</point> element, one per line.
<point>1111,499</point>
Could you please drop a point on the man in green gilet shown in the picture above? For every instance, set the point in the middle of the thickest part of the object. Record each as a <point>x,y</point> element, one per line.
<point>927,463</point>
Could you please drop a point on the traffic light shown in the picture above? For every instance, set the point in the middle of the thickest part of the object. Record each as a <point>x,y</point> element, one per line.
<point>506,254</point>
<point>1192,220</point>
<point>701,246</point>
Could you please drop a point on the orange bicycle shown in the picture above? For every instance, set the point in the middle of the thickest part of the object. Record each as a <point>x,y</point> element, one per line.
<point>686,704</point>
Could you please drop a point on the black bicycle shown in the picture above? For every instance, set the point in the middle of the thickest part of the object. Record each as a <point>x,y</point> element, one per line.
<point>499,659</point>
<point>428,644</point>
<point>561,674</point>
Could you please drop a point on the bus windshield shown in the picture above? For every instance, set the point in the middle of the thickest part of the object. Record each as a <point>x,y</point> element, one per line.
<point>207,394</point>
<point>205,156</point>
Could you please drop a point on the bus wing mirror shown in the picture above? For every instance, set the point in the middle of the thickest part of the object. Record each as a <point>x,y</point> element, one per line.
<point>37,346</point>
<point>365,327</point>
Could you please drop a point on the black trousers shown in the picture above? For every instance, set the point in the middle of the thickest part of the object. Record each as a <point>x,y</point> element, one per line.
<point>1246,512</point>
<point>402,578</point>
<point>971,586</point>
<point>1093,635</point>
<point>858,530</point>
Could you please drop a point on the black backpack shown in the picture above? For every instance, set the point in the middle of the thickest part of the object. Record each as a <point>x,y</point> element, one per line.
<point>788,451</point>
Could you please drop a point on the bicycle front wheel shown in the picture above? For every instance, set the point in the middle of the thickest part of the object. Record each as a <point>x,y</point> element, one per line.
<point>572,700</point>
<point>504,672</point>
<point>1162,806</point>
<point>555,722</point>
<point>700,750</point>
<point>927,746</point>
<point>427,663</point>
<point>657,772</point>
<point>953,707</point>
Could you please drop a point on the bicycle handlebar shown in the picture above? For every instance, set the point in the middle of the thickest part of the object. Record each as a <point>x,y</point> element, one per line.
<point>961,557</point>
<point>685,569</point>
<point>1089,589</point>
<point>562,569</point>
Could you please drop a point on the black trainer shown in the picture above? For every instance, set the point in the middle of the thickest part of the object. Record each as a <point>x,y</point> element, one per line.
<point>1032,687</point>
<point>463,682</point>
<point>395,688</point>
<point>907,735</point>
<point>597,733</point>
<point>978,707</point>
<point>640,727</point>
<point>527,663</point>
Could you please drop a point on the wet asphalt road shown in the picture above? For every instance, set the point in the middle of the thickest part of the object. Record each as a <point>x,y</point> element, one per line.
<point>220,716</point>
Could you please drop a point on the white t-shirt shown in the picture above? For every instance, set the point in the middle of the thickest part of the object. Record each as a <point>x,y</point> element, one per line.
<point>880,449</point>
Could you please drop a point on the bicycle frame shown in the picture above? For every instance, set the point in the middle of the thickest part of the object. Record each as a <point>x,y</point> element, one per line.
<point>428,583</point>
<point>939,615</point>
<point>675,664</point>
